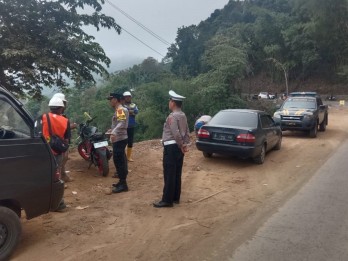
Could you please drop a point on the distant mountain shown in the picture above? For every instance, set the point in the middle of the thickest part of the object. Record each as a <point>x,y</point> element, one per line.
<point>123,62</point>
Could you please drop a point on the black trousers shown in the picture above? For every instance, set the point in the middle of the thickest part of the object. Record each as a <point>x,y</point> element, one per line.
<point>173,160</point>
<point>130,134</point>
<point>120,159</point>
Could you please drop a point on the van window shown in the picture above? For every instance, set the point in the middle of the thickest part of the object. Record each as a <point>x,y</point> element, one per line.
<point>12,125</point>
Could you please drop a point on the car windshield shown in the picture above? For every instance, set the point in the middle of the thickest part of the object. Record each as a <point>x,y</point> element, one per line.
<point>235,118</point>
<point>299,103</point>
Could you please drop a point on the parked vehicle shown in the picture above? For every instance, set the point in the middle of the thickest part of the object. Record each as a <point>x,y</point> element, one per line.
<point>303,111</point>
<point>266,95</point>
<point>331,98</point>
<point>241,133</point>
<point>93,146</point>
<point>29,179</point>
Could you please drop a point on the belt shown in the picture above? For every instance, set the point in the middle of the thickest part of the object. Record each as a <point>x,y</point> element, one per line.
<point>169,142</point>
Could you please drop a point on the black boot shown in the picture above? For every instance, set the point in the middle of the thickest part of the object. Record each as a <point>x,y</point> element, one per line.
<point>120,187</point>
<point>116,184</point>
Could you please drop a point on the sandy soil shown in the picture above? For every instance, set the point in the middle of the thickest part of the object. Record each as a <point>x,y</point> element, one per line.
<point>223,200</point>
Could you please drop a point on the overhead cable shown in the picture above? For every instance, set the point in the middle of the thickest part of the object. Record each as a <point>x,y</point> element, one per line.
<point>141,41</point>
<point>138,23</point>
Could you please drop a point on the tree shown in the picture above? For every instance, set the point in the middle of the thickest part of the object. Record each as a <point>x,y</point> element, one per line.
<point>186,52</point>
<point>284,68</point>
<point>326,26</point>
<point>42,43</point>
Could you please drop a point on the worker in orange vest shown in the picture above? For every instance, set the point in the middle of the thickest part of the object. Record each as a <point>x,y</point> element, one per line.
<point>65,156</point>
<point>60,126</point>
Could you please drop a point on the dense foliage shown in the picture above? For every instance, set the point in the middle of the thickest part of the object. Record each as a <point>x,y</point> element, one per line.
<point>299,39</point>
<point>309,37</point>
<point>42,43</point>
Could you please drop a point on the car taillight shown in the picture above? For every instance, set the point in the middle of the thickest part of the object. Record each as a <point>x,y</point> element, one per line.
<point>245,138</point>
<point>203,134</point>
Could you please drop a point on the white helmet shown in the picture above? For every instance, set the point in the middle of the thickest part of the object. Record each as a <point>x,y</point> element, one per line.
<point>127,94</point>
<point>56,102</point>
<point>61,96</point>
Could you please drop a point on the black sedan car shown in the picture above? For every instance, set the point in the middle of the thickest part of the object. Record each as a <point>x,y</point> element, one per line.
<point>241,133</point>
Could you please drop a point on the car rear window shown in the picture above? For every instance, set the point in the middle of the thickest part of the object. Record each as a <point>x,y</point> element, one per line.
<point>235,118</point>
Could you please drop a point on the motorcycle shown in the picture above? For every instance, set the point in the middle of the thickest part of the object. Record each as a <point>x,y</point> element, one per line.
<point>93,146</point>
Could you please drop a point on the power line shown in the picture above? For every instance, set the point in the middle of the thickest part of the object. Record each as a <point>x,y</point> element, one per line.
<point>141,41</point>
<point>138,23</point>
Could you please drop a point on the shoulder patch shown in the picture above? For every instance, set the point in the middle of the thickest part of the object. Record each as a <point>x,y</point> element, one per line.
<point>120,115</point>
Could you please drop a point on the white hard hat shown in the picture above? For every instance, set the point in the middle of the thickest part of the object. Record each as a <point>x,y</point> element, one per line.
<point>56,102</point>
<point>61,96</point>
<point>127,94</point>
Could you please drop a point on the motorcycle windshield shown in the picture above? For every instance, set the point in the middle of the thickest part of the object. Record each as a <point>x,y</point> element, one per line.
<point>89,131</point>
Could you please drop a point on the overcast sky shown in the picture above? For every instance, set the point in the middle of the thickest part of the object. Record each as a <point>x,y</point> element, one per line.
<point>163,17</point>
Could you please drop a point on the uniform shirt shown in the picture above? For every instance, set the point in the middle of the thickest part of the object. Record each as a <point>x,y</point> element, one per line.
<point>119,123</point>
<point>176,128</point>
<point>133,110</point>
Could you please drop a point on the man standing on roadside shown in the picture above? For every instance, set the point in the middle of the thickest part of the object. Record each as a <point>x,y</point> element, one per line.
<point>65,156</point>
<point>119,138</point>
<point>133,111</point>
<point>60,126</point>
<point>175,138</point>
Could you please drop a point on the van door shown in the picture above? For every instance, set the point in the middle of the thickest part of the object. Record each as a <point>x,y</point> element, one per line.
<point>26,164</point>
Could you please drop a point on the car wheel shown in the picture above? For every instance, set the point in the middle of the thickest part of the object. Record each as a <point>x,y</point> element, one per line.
<point>260,159</point>
<point>207,154</point>
<point>322,126</point>
<point>10,231</point>
<point>314,131</point>
<point>279,143</point>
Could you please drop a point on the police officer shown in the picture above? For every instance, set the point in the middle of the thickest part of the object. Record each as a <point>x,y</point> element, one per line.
<point>133,111</point>
<point>119,138</point>
<point>175,138</point>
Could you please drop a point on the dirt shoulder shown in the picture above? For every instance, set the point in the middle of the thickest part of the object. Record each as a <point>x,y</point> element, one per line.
<point>223,201</point>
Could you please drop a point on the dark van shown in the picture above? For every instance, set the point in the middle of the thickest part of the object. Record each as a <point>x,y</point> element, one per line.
<point>29,179</point>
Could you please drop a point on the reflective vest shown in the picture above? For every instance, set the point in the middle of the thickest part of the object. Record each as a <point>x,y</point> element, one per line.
<point>59,125</point>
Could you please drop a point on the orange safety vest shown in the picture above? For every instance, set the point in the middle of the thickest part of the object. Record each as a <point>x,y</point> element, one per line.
<point>59,125</point>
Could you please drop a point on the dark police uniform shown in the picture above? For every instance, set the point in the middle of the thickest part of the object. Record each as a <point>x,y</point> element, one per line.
<point>175,137</point>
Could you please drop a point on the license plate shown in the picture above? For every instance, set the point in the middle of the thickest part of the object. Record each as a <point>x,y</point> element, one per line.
<point>100,144</point>
<point>222,136</point>
<point>291,123</point>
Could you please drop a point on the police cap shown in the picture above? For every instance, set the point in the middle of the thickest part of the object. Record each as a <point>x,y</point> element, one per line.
<point>115,95</point>
<point>175,97</point>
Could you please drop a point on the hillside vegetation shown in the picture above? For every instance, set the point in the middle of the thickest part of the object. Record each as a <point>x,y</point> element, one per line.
<point>210,63</point>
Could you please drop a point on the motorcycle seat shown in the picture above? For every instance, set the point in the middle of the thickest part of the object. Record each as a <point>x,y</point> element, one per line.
<point>99,136</point>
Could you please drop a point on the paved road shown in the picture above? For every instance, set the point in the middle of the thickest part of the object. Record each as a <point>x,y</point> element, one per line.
<point>311,226</point>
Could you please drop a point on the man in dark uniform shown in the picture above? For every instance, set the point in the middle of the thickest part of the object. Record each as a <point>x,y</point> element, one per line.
<point>119,139</point>
<point>175,140</point>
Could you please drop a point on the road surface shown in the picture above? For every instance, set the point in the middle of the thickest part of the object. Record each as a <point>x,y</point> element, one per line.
<point>224,202</point>
<point>313,225</point>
